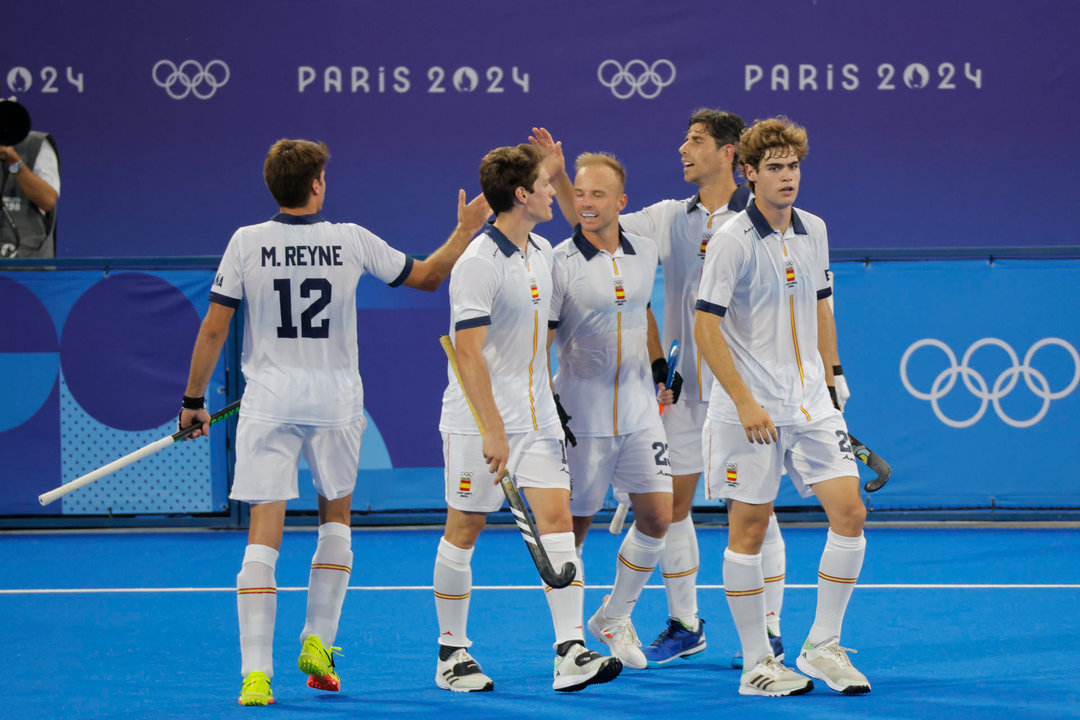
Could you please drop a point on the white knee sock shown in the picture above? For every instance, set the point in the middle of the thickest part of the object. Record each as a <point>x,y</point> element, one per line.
<point>637,558</point>
<point>841,562</point>
<point>566,604</point>
<point>331,567</point>
<point>744,587</point>
<point>773,566</point>
<point>679,567</point>
<point>256,605</point>
<point>453,587</point>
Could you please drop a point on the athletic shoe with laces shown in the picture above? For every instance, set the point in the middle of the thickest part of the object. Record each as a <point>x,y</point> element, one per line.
<point>675,641</point>
<point>579,668</point>
<point>460,673</point>
<point>830,663</point>
<point>620,637</point>
<point>256,690</point>
<point>774,643</point>
<point>771,679</point>
<point>318,662</point>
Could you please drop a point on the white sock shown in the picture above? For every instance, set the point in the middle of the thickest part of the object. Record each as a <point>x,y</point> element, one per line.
<point>637,558</point>
<point>744,586</point>
<point>841,562</point>
<point>328,580</point>
<point>679,567</point>
<point>256,606</point>
<point>773,566</point>
<point>453,588</point>
<point>567,603</point>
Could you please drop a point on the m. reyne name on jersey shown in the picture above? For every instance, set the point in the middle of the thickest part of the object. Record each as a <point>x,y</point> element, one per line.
<point>303,255</point>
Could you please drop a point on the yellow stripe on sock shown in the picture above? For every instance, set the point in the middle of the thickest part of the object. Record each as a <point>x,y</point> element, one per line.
<point>328,566</point>
<point>775,578</point>
<point>445,596</point>
<point>257,591</point>
<point>576,583</point>
<point>830,578</point>
<point>632,566</point>
<point>684,573</point>
<point>744,593</point>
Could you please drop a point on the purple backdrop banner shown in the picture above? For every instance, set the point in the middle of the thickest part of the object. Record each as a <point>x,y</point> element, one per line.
<point>930,121</point>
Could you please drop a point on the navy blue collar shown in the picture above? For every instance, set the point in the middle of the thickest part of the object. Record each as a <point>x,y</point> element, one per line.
<point>589,250</point>
<point>737,203</point>
<point>287,219</point>
<point>764,229</point>
<point>508,248</point>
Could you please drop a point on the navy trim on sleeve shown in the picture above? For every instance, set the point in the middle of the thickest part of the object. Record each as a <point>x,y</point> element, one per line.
<point>553,324</point>
<point>822,294</point>
<point>404,273</point>
<point>471,323</point>
<point>709,307</point>
<point>224,300</point>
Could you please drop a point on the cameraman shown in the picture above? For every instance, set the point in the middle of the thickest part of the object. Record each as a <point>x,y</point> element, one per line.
<point>30,174</point>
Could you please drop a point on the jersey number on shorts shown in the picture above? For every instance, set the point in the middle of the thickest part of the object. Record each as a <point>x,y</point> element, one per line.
<point>845,445</point>
<point>661,453</point>
<point>320,287</point>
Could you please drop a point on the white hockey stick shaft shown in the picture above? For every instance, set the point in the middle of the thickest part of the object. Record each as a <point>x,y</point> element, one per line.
<point>54,495</point>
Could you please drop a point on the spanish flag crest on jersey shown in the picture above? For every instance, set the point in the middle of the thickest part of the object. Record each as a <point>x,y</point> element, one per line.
<point>620,292</point>
<point>534,290</point>
<point>789,273</point>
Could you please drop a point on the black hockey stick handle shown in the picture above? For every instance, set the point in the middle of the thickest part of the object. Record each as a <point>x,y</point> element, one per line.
<point>144,451</point>
<point>521,513</point>
<point>873,461</point>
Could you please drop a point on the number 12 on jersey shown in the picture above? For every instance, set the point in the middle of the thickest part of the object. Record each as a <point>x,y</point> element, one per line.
<point>317,288</point>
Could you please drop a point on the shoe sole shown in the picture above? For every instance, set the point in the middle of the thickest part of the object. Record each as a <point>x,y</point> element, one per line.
<point>443,685</point>
<point>608,671</point>
<point>807,669</point>
<point>327,683</point>
<point>259,699</point>
<point>685,655</point>
<point>750,690</point>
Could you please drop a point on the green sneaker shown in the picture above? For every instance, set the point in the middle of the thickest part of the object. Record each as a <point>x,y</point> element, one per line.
<point>318,662</point>
<point>256,690</point>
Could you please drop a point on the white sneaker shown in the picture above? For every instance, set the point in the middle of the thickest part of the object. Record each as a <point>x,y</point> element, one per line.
<point>580,667</point>
<point>620,637</point>
<point>460,673</point>
<point>770,678</point>
<point>830,663</point>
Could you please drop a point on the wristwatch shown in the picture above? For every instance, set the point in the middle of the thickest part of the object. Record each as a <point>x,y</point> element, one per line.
<point>15,167</point>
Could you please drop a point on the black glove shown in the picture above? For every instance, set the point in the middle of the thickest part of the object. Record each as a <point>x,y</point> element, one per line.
<point>189,403</point>
<point>660,373</point>
<point>832,394</point>
<point>565,420</point>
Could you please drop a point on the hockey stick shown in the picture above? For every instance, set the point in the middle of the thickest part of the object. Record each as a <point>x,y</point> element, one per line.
<point>873,461</point>
<point>52,495</point>
<point>619,518</point>
<point>518,507</point>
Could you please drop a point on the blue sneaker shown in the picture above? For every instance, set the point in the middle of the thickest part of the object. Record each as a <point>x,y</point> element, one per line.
<point>777,649</point>
<point>676,641</point>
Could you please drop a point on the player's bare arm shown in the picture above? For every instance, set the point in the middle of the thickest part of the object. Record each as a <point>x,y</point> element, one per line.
<point>826,325</point>
<point>428,274</point>
<point>476,382</point>
<point>555,164</point>
<point>755,419</point>
<point>37,190</point>
<point>212,334</point>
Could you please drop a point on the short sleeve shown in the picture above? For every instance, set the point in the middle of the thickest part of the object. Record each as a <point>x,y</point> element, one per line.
<point>228,288</point>
<point>474,283</point>
<point>725,261</point>
<point>377,257</point>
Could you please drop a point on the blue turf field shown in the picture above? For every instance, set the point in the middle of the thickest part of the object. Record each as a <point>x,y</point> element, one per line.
<point>981,622</point>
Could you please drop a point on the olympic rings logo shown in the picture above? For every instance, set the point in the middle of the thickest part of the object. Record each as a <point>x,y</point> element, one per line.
<point>636,77</point>
<point>190,78</point>
<point>1003,385</point>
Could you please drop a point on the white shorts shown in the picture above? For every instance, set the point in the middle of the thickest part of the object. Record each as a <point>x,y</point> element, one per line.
<point>267,456</point>
<point>634,463</point>
<point>537,460</point>
<point>682,424</point>
<point>750,472</point>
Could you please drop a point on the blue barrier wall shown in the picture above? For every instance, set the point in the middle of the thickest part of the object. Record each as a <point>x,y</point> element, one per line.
<point>964,376</point>
<point>921,113</point>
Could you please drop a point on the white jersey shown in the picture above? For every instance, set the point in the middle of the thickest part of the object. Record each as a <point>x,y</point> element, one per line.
<point>495,284</point>
<point>598,309</point>
<point>682,230</point>
<point>766,287</point>
<point>298,275</point>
